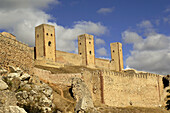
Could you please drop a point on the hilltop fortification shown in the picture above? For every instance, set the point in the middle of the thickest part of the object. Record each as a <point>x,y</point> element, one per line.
<point>108,83</point>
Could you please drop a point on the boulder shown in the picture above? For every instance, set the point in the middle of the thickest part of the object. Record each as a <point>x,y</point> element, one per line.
<point>36,98</point>
<point>82,95</point>
<point>12,75</point>
<point>25,76</point>
<point>2,71</point>
<point>14,84</point>
<point>3,85</point>
<point>12,69</point>
<point>7,98</point>
<point>12,109</point>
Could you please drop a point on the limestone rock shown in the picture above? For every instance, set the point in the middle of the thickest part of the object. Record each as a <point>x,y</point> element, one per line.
<point>15,83</point>
<point>82,95</point>
<point>36,98</point>
<point>2,70</point>
<point>25,76</point>
<point>12,109</point>
<point>14,70</point>
<point>3,85</point>
<point>7,98</point>
<point>12,75</point>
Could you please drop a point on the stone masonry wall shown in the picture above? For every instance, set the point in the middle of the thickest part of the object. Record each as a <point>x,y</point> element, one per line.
<point>122,90</point>
<point>102,63</point>
<point>57,79</point>
<point>68,58</point>
<point>15,53</point>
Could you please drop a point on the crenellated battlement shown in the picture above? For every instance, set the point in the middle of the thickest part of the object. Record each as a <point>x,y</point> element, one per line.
<point>123,74</point>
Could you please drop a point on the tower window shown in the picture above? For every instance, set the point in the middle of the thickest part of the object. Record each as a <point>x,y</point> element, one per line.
<point>80,53</point>
<point>37,35</point>
<point>113,51</point>
<point>49,43</point>
<point>47,34</point>
<point>90,52</point>
<point>89,42</point>
<point>51,34</point>
<point>80,43</point>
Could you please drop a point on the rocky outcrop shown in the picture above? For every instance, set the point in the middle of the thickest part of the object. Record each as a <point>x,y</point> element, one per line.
<point>2,71</point>
<point>82,95</point>
<point>18,89</point>
<point>12,109</point>
<point>3,85</point>
<point>35,98</point>
<point>8,103</point>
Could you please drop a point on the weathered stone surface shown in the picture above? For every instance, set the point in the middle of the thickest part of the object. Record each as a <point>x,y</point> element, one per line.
<point>7,98</point>
<point>12,109</point>
<point>12,75</point>
<point>15,83</point>
<point>36,98</point>
<point>82,95</point>
<point>12,69</point>
<point>2,70</point>
<point>25,76</point>
<point>3,85</point>
<point>15,53</point>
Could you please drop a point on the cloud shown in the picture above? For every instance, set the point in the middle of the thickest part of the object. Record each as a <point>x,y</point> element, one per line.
<point>20,17</point>
<point>131,37</point>
<point>145,24</point>
<point>150,54</point>
<point>66,37</point>
<point>167,19</point>
<point>99,41</point>
<point>147,27</point>
<point>90,27</point>
<point>102,52</point>
<point>21,22</point>
<point>25,4</point>
<point>105,10</point>
<point>167,9</point>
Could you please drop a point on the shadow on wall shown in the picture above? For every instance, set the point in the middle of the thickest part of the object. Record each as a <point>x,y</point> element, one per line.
<point>166,86</point>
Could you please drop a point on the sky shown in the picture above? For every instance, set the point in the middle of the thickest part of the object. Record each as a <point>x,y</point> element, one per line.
<point>142,26</point>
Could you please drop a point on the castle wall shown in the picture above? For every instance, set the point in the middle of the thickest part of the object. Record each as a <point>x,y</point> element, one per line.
<point>9,35</point>
<point>15,53</point>
<point>102,63</point>
<point>32,52</point>
<point>57,79</point>
<point>68,58</point>
<point>144,90</point>
<point>48,63</point>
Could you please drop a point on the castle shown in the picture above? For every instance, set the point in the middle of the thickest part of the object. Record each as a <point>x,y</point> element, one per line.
<point>46,53</point>
<point>107,81</point>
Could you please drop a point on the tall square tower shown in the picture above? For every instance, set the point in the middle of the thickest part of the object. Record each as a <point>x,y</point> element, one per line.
<point>117,55</point>
<point>86,49</point>
<point>45,42</point>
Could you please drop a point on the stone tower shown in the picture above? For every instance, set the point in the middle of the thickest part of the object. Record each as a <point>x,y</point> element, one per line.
<point>86,49</point>
<point>45,42</point>
<point>116,55</point>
